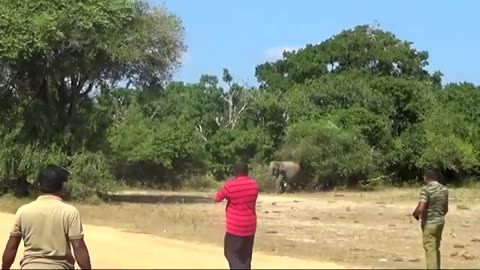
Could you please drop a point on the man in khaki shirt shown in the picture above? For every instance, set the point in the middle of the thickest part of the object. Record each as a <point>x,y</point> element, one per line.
<point>49,228</point>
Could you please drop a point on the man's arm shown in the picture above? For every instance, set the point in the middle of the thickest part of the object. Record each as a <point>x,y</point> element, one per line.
<point>222,194</point>
<point>13,242</point>
<point>81,253</point>
<point>10,251</point>
<point>422,204</point>
<point>75,235</point>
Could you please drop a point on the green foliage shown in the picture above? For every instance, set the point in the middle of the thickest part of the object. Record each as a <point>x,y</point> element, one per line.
<point>374,128</point>
<point>56,55</point>
<point>55,58</point>
<point>444,141</point>
<point>359,108</point>
<point>90,177</point>
<point>269,113</point>
<point>405,102</point>
<point>229,146</point>
<point>462,98</point>
<point>366,49</point>
<point>20,160</point>
<point>172,146</point>
<point>259,172</point>
<point>329,154</point>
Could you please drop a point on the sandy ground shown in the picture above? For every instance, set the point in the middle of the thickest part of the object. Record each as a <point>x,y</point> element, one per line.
<point>112,248</point>
<point>349,229</point>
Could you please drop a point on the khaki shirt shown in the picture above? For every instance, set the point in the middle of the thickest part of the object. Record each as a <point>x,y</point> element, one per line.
<point>46,226</point>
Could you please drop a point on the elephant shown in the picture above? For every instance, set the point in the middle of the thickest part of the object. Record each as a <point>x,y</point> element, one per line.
<point>286,174</point>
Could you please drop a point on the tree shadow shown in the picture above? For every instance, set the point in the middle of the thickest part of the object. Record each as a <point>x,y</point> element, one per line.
<point>157,198</point>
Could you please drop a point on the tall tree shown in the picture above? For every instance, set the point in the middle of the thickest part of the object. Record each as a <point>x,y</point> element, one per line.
<point>55,54</point>
<point>365,48</point>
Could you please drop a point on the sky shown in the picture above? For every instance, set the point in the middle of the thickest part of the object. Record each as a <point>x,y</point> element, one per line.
<point>241,34</point>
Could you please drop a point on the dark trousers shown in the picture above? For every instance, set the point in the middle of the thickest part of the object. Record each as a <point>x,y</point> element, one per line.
<point>238,251</point>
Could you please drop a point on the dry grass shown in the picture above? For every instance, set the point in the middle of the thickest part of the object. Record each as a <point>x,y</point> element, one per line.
<point>360,228</point>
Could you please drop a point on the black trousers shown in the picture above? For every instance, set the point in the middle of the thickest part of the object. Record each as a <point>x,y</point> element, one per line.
<point>238,251</point>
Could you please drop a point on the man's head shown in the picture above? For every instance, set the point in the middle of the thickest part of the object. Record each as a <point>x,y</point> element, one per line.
<point>51,178</point>
<point>430,175</point>
<point>240,169</point>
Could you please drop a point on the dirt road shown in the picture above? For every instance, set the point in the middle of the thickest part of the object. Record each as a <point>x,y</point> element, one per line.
<point>111,248</point>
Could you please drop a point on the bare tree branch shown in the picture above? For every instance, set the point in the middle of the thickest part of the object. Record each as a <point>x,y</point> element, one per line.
<point>199,129</point>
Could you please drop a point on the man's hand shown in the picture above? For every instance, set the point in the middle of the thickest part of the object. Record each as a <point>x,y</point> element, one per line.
<point>10,251</point>
<point>221,195</point>
<point>81,253</point>
<point>421,207</point>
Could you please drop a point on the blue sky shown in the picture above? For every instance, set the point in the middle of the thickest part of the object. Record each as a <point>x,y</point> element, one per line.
<point>240,34</point>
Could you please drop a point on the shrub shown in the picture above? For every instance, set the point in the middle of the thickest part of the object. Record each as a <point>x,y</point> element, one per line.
<point>259,172</point>
<point>329,155</point>
<point>20,163</point>
<point>90,177</point>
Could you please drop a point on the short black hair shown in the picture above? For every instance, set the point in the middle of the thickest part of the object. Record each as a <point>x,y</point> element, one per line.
<point>431,174</point>
<point>240,169</point>
<point>51,178</point>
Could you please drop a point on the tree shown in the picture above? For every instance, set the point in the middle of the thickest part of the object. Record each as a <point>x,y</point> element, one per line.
<point>270,112</point>
<point>55,57</point>
<point>163,149</point>
<point>355,106</point>
<point>365,48</point>
<point>405,102</point>
<point>330,155</point>
<point>237,100</point>
<point>444,141</point>
<point>55,54</point>
<point>374,128</point>
<point>462,98</point>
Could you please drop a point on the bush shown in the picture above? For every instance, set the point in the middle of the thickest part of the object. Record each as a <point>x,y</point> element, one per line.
<point>90,177</point>
<point>329,155</point>
<point>260,173</point>
<point>229,146</point>
<point>155,153</point>
<point>20,163</point>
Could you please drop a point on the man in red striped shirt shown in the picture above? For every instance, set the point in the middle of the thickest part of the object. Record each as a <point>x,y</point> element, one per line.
<point>241,219</point>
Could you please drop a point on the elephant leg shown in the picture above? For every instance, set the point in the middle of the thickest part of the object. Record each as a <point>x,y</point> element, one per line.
<point>288,187</point>
<point>283,186</point>
<point>280,184</point>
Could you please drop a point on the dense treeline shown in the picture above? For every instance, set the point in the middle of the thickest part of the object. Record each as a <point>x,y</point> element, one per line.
<point>358,106</point>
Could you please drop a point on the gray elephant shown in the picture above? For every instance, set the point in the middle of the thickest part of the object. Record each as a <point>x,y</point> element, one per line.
<point>286,174</point>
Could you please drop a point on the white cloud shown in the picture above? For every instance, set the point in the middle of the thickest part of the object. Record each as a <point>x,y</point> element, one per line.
<point>276,53</point>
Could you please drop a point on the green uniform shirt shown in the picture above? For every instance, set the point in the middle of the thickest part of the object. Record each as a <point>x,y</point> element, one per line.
<point>435,195</point>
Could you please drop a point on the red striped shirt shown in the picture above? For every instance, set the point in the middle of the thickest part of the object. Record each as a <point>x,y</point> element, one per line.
<point>241,194</point>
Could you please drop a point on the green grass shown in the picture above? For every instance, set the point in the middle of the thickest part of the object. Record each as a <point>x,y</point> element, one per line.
<point>10,204</point>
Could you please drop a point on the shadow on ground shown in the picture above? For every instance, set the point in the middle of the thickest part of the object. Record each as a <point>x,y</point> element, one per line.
<point>157,198</point>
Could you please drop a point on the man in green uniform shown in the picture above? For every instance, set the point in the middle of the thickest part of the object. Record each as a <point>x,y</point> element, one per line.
<point>49,227</point>
<point>432,208</point>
